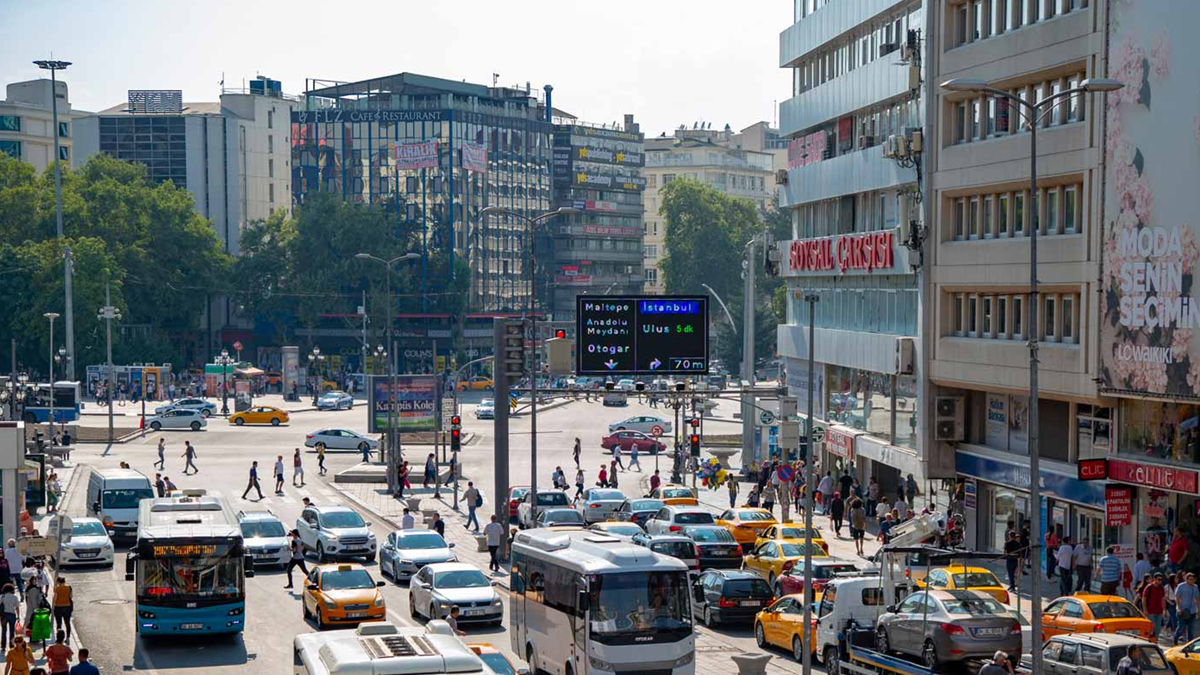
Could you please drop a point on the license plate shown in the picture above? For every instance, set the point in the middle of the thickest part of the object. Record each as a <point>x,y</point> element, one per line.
<point>356,615</point>
<point>263,556</point>
<point>991,631</point>
<point>751,603</point>
<point>356,548</point>
<point>191,626</point>
<point>475,612</point>
<point>88,555</point>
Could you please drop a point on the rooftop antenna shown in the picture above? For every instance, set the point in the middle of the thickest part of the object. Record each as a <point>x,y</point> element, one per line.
<point>495,79</point>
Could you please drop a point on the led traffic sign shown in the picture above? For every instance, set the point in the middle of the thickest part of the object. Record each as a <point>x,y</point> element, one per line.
<point>641,335</point>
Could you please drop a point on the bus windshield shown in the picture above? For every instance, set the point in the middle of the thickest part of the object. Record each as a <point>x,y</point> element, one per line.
<point>124,499</point>
<point>630,604</point>
<point>191,572</point>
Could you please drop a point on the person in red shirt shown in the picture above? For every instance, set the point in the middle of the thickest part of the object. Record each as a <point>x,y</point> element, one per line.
<point>1154,598</point>
<point>1177,552</point>
<point>655,481</point>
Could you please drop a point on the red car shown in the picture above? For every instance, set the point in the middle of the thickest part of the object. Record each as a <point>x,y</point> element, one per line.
<point>627,439</point>
<point>824,569</point>
<point>516,494</point>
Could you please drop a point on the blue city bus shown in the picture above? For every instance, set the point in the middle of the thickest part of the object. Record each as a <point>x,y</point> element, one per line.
<point>189,567</point>
<point>36,407</point>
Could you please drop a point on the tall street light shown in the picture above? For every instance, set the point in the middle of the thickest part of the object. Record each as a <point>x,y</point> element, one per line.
<point>55,66</point>
<point>1033,113</point>
<point>51,316</point>
<point>393,436</point>
<point>315,359</point>
<point>106,314</point>
<point>225,361</point>
<point>531,304</point>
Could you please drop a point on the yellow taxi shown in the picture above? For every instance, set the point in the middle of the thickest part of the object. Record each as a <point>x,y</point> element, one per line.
<point>772,559</point>
<point>343,593</point>
<point>495,659</point>
<point>790,530</point>
<point>477,383</point>
<point>260,414</point>
<point>1185,658</point>
<point>1092,613</point>
<point>675,495</point>
<point>960,578</point>
<point>746,524</point>
<point>782,624</point>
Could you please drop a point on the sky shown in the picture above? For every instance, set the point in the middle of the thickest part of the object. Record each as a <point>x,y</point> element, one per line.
<point>669,62</point>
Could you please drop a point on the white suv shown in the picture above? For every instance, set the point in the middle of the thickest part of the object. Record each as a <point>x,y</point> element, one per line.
<point>672,519</point>
<point>335,532</point>
<point>527,514</point>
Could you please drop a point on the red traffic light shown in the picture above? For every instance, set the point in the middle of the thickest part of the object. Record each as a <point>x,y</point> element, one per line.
<point>455,434</point>
<point>560,334</point>
<point>695,439</point>
<point>695,422</point>
<point>456,420</point>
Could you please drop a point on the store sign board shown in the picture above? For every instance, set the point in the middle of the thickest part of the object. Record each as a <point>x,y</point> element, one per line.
<point>474,157</point>
<point>859,253</point>
<point>971,493</point>
<point>807,149</point>
<point>1149,342</point>
<point>420,155</point>
<point>414,399</point>
<point>1154,475</point>
<point>1118,505</point>
<point>1093,469</point>
<point>1016,474</point>
<point>612,230</point>
<point>840,443</point>
<point>344,116</point>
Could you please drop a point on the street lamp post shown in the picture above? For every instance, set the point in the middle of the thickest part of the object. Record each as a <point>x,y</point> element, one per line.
<point>50,427</point>
<point>393,435</point>
<point>55,66</point>
<point>224,360</point>
<point>107,313</point>
<point>314,364</point>
<point>1034,112</point>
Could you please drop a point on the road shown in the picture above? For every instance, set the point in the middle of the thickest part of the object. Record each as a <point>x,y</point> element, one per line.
<point>105,611</point>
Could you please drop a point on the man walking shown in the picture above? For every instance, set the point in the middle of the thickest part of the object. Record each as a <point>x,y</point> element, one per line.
<point>162,460</point>
<point>297,559</point>
<point>732,484</point>
<point>1154,603</point>
<point>473,501</point>
<point>297,469</point>
<point>493,531</point>
<point>1110,571</point>
<point>189,453</point>
<point>408,522</point>
<point>633,458</point>
<point>160,486</point>
<point>872,495</point>
<point>1012,558</point>
<point>1186,595</point>
<point>1083,566</point>
<point>253,483</point>
<point>430,471</point>
<point>616,460</point>
<point>278,474</point>
<point>1065,557</point>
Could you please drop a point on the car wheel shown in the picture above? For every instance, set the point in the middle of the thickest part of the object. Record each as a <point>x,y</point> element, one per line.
<point>709,619</point>
<point>204,412</point>
<point>929,655</point>
<point>532,659</point>
<point>274,421</point>
<point>320,620</point>
<point>195,426</point>
<point>760,636</point>
<point>797,648</point>
<point>412,606</point>
<point>155,426</point>
<point>307,614</point>
<point>321,557</point>
<point>239,421</point>
<point>881,641</point>
<point>362,447</point>
<point>830,659</point>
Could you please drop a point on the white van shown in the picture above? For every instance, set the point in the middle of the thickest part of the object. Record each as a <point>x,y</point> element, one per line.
<point>858,598</point>
<point>113,496</point>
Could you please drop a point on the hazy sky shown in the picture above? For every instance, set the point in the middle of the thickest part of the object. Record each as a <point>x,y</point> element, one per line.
<point>669,62</point>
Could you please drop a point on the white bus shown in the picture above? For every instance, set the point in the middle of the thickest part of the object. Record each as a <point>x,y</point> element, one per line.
<point>589,603</point>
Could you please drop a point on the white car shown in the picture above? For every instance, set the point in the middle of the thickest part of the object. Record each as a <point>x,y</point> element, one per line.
<point>486,410</point>
<point>672,519</point>
<point>599,504</point>
<point>179,418</point>
<point>264,538</point>
<point>626,385</point>
<point>647,424</point>
<point>527,514</point>
<point>437,588</point>
<point>405,552</point>
<point>205,408</point>
<point>335,400</point>
<point>339,439</point>
<point>87,543</point>
<point>335,532</point>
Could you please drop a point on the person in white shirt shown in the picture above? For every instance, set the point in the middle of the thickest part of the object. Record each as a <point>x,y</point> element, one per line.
<point>902,507</point>
<point>1066,564</point>
<point>494,532</point>
<point>407,522</point>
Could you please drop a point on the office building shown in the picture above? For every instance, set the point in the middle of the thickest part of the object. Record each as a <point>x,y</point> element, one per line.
<point>855,126</point>
<point>27,118</point>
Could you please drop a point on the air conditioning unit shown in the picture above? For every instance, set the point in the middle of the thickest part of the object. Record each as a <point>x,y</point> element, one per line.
<point>904,356</point>
<point>949,418</point>
<point>907,53</point>
<point>781,176</point>
<point>887,147</point>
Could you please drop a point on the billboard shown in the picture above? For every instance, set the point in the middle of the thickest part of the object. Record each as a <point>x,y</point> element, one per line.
<point>416,402</point>
<point>1148,338</point>
<point>419,155</point>
<point>641,335</point>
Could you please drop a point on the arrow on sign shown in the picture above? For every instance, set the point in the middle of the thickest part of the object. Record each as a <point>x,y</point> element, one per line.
<point>654,365</point>
<point>611,364</point>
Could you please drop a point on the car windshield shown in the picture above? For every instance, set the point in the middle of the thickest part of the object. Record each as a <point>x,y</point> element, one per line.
<point>1151,658</point>
<point>797,533</point>
<point>675,549</point>
<point>262,528</point>
<point>341,519</point>
<point>497,663</point>
<point>331,395</point>
<point>425,540</point>
<point>125,499</point>
<point>628,604</point>
<point>486,403</point>
<point>645,505</point>
<point>975,579</point>
<point>564,517</point>
<point>190,572</point>
<point>340,580</point>
<point>609,495</point>
<point>709,534</point>
<point>519,493</point>
<point>676,493</point>
<point>627,529</point>
<point>460,579</point>
<point>973,605</point>
<point>552,499</point>
<point>790,550</point>
<point>1114,610</point>
<point>754,516</point>
<point>746,588</point>
<point>87,530</point>
<point>694,518</point>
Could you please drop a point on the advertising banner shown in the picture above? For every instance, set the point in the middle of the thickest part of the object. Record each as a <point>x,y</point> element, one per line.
<point>797,384</point>
<point>996,435</point>
<point>474,157</point>
<point>1148,338</point>
<point>422,155</point>
<point>241,395</point>
<point>415,400</point>
<point>1118,506</point>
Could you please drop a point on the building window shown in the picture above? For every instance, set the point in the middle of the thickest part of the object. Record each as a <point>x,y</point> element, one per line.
<point>973,121</point>
<point>960,218</point>
<point>1050,318</point>
<point>973,218</point>
<point>977,20</point>
<point>668,177</point>
<point>651,252</point>
<point>11,148</point>
<point>999,16</point>
<point>271,192</point>
<point>271,119</point>
<point>973,315</point>
<point>64,154</point>
<point>10,123</point>
<point>960,24</point>
<point>651,180</point>
<point>1068,318</point>
<point>651,276</point>
<point>64,130</point>
<point>960,122</point>
<point>1052,224</point>
<point>1070,208</point>
<point>988,203</point>
<point>988,303</point>
<point>270,143</point>
<point>270,168</point>
<point>958,314</point>
<point>1002,216</point>
<point>1018,214</point>
<point>1002,317</point>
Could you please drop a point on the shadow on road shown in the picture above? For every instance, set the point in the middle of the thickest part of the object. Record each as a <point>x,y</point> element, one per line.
<point>193,652</point>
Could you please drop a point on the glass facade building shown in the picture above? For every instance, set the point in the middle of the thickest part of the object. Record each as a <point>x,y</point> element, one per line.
<point>157,141</point>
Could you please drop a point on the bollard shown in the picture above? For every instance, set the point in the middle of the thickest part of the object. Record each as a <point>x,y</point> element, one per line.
<point>751,664</point>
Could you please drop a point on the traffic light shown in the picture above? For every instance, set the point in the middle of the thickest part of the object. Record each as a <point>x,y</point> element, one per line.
<point>695,422</point>
<point>456,421</point>
<point>694,442</point>
<point>560,334</point>
<point>513,360</point>
<point>455,433</point>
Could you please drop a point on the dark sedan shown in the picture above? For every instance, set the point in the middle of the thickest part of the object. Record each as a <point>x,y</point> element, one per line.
<point>637,510</point>
<point>718,549</point>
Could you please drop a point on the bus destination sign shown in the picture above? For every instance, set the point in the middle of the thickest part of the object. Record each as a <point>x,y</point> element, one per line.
<point>641,335</point>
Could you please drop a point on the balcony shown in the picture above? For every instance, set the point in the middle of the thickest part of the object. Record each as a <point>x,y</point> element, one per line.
<point>815,30</point>
<point>877,81</point>
<point>846,175</point>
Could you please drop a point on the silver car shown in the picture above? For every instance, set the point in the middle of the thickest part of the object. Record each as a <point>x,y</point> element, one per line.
<point>340,439</point>
<point>599,504</point>
<point>178,418</point>
<point>335,400</point>
<point>87,543</point>
<point>405,552</point>
<point>200,405</point>
<point>437,588</point>
<point>946,626</point>
<point>647,424</point>
<point>264,537</point>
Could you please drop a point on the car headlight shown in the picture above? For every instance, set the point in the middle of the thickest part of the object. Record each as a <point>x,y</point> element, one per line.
<point>107,547</point>
<point>329,604</point>
<point>685,659</point>
<point>600,664</point>
<point>329,536</point>
<point>496,603</point>
<point>406,562</point>
<point>378,600</point>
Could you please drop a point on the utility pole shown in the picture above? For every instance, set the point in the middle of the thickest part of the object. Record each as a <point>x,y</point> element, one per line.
<point>50,423</point>
<point>811,299</point>
<point>68,263</point>
<point>500,426</point>
<point>365,346</point>
<point>534,369</point>
<point>107,314</point>
<point>749,452</point>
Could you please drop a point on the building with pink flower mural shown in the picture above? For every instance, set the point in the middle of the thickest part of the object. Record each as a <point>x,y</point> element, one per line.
<point>1149,349</point>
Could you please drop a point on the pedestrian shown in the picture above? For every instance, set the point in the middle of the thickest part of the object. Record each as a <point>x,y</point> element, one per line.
<point>160,487</point>
<point>910,489</point>
<point>1026,541</point>
<point>576,452</point>
<point>731,484</point>
<point>1172,613</point>
<point>616,460</point>
<point>439,525</point>
<point>752,499</point>
<point>1178,551</point>
<point>858,524</point>
<point>602,477</point>
<point>493,531</point>
<point>1186,596</point>
<point>10,606</point>
<point>253,482</point>
<point>64,605</point>
<point>297,469</point>
<point>872,496</point>
<point>19,658</point>
<point>1051,541</point>
<point>613,481</point>
<point>1065,559</point>
<point>474,501</point>
<point>58,655</point>
<point>1154,604</point>
<point>837,512</point>
<point>579,482</point>
<point>162,458</point>
<point>1142,567</point>
<point>321,459</point>
<point>365,449</point>
<point>453,472</point>
<point>1110,571</point>
<point>882,509</point>
<point>901,508</point>
<point>278,474</point>
<point>824,490</point>
<point>1012,558</point>
<point>1083,566</point>
<point>633,457</point>
<point>407,522</point>
<point>405,472</point>
<point>297,557</point>
<point>768,497</point>
<point>844,482</point>
<point>189,453</point>
<point>170,486</point>
<point>1000,665</point>
<point>885,528</point>
<point>452,619</point>
<point>430,471</point>
<point>35,598</point>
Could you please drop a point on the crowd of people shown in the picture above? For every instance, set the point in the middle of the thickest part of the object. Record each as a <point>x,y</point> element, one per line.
<point>36,609</point>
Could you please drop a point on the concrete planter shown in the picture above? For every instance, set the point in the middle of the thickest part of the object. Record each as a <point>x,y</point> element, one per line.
<point>751,664</point>
<point>414,504</point>
<point>481,543</point>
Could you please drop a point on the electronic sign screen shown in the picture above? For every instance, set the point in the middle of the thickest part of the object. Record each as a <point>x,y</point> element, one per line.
<point>641,335</point>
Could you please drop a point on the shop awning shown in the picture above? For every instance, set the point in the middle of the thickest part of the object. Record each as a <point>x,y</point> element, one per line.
<point>249,372</point>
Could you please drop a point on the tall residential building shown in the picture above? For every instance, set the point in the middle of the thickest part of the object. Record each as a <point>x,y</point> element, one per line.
<point>26,123</point>
<point>597,171</point>
<point>979,258</point>
<point>232,155</point>
<point>711,157</point>
<point>855,125</point>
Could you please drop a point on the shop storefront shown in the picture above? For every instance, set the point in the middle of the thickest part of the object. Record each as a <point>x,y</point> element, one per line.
<point>889,465</point>
<point>839,453</point>
<point>1159,498</point>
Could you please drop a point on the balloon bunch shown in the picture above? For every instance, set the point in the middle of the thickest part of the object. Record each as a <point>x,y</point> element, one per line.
<point>712,474</point>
